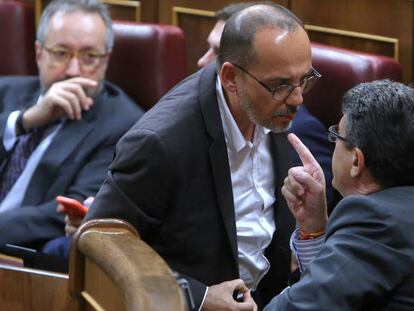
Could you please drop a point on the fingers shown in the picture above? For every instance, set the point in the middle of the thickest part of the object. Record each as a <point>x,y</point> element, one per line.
<point>60,208</point>
<point>70,96</point>
<point>239,285</point>
<point>304,154</point>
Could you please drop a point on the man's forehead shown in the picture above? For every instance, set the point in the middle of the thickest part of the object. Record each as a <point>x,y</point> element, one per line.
<point>62,20</point>
<point>76,28</point>
<point>216,32</point>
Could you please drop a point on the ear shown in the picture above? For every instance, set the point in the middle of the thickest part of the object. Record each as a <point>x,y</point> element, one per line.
<point>358,163</point>
<point>38,51</point>
<point>228,77</point>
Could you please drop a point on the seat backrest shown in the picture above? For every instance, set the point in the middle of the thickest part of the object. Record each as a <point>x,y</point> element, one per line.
<point>147,60</point>
<point>17,28</point>
<point>112,268</point>
<point>342,69</point>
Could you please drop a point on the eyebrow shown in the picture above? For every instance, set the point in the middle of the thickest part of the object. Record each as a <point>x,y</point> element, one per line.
<point>285,80</point>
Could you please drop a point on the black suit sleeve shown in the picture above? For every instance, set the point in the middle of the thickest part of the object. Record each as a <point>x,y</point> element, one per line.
<point>139,188</point>
<point>358,265</point>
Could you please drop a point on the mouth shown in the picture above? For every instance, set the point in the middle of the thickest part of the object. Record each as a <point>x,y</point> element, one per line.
<point>288,116</point>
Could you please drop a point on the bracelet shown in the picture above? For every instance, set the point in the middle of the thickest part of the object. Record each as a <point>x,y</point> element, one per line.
<point>310,235</point>
<point>19,122</point>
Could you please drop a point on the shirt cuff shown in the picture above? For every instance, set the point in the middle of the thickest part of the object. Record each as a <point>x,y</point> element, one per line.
<point>305,250</point>
<point>204,298</point>
<point>9,137</point>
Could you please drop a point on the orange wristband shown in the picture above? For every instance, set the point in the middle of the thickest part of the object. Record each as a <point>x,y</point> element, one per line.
<point>310,235</point>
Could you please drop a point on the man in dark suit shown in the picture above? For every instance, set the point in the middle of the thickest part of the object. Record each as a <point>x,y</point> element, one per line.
<point>365,260</point>
<point>200,174</point>
<point>75,116</point>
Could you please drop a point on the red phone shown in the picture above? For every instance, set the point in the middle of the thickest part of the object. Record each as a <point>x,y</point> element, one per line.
<point>71,206</point>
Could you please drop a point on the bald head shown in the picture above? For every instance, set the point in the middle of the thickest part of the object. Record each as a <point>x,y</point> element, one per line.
<point>236,43</point>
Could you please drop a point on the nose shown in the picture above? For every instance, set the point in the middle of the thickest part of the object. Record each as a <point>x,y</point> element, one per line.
<point>73,68</point>
<point>295,98</point>
<point>207,58</point>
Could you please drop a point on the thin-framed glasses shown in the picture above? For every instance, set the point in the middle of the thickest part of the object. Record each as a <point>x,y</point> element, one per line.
<point>282,92</point>
<point>88,59</point>
<point>333,134</point>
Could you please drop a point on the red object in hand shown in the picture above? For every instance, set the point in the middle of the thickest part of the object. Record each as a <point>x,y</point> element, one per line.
<point>71,206</point>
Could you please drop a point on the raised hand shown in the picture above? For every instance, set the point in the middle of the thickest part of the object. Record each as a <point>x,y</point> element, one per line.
<point>304,190</point>
<point>63,98</point>
<point>220,297</point>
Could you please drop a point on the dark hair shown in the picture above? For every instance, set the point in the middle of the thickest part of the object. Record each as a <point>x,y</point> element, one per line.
<point>69,6</point>
<point>379,119</point>
<point>236,44</point>
<point>225,13</point>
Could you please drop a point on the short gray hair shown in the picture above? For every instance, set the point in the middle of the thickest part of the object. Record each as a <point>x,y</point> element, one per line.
<point>69,6</point>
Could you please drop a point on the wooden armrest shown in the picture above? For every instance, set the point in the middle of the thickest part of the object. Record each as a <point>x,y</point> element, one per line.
<point>109,253</point>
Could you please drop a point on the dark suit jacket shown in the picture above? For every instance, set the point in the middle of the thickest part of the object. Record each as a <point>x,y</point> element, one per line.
<point>171,180</point>
<point>315,136</point>
<point>74,165</point>
<point>367,262</point>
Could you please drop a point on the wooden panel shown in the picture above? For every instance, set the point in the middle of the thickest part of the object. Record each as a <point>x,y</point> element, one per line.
<point>196,24</point>
<point>119,9</point>
<point>355,41</point>
<point>97,285</point>
<point>124,10</point>
<point>30,289</point>
<point>196,18</point>
<point>392,19</point>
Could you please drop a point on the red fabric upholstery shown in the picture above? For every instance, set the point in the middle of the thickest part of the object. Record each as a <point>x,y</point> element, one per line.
<point>342,69</point>
<point>147,60</point>
<point>17,28</point>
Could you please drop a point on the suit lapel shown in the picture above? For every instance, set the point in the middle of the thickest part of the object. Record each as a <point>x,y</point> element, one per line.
<point>63,145</point>
<point>285,222</point>
<point>218,155</point>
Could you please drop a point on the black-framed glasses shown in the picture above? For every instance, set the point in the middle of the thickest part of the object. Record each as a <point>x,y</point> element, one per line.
<point>282,92</point>
<point>88,59</point>
<point>333,134</point>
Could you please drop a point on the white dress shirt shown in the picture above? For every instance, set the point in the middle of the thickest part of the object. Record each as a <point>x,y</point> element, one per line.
<point>252,178</point>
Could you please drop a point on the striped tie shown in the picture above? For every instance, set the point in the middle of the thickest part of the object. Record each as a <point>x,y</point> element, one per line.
<point>24,147</point>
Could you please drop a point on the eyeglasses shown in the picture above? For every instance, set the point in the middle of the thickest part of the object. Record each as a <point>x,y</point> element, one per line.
<point>282,92</point>
<point>88,59</point>
<point>333,134</point>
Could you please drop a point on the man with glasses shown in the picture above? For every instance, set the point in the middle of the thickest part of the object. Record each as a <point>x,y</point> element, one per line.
<point>200,174</point>
<point>363,256</point>
<point>306,126</point>
<point>59,130</point>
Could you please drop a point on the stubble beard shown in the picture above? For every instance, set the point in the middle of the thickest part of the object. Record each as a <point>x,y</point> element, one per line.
<point>250,109</point>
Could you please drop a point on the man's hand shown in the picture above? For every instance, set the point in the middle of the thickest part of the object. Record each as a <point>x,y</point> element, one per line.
<point>72,223</point>
<point>304,190</point>
<point>220,297</point>
<point>63,98</point>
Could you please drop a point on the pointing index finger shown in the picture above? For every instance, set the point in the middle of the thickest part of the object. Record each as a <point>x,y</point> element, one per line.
<point>304,154</point>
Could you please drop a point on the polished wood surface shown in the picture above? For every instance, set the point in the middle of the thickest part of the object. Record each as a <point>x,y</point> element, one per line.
<point>30,289</point>
<point>109,257</point>
<point>389,19</point>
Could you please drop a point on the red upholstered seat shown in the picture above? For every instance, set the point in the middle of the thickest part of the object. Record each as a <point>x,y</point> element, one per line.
<point>341,70</point>
<point>17,31</point>
<point>147,60</point>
